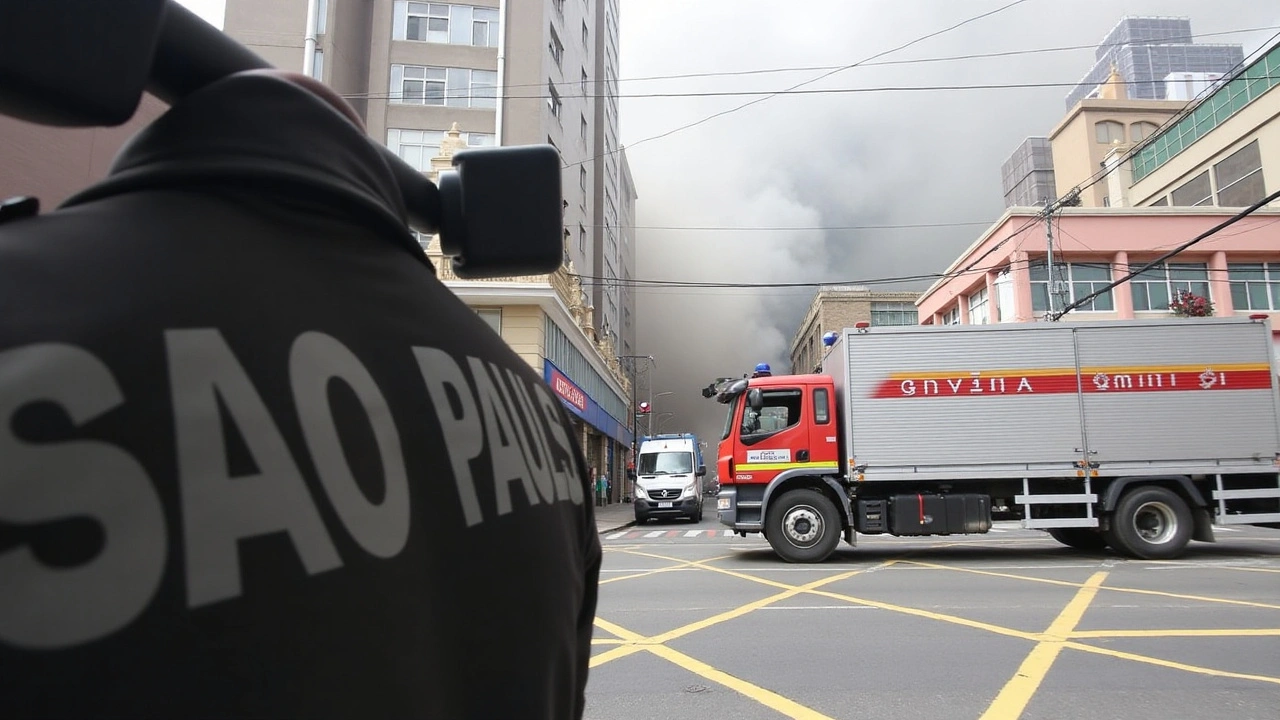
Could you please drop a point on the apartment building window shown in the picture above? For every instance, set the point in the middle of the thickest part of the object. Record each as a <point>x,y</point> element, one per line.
<point>417,147</point>
<point>1254,286</point>
<point>1239,177</point>
<point>893,313</point>
<point>952,316</point>
<point>553,100</point>
<point>586,35</point>
<point>583,130</point>
<point>444,23</point>
<point>584,82</point>
<point>492,317</point>
<point>1109,132</point>
<point>1195,191</point>
<point>1082,280</point>
<point>454,87</point>
<point>557,48</point>
<point>1142,130</point>
<point>582,178</point>
<point>582,239</point>
<point>979,308</point>
<point>1153,288</point>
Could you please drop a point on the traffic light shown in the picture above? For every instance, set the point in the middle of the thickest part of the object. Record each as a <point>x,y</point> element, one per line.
<point>644,408</point>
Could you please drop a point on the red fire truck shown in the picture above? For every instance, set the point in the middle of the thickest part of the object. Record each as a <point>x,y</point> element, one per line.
<point>1138,435</point>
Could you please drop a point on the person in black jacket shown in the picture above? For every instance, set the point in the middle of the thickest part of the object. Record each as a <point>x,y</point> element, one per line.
<point>256,460</point>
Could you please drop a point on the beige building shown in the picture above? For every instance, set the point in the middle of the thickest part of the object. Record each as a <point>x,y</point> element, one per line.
<point>836,307</point>
<point>1094,128</point>
<point>431,78</point>
<point>1217,153</point>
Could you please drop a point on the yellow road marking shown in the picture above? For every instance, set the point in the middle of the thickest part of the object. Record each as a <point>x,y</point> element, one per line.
<point>1015,695</point>
<point>1170,664</point>
<point>768,698</point>
<point>684,565</point>
<point>1241,632</point>
<point>1109,588</point>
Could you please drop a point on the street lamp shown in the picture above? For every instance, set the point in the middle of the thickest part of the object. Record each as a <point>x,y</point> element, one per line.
<point>635,445</point>
<point>663,418</point>
<point>651,398</point>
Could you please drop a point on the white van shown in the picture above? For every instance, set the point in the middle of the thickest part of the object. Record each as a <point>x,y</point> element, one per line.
<point>669,469</point>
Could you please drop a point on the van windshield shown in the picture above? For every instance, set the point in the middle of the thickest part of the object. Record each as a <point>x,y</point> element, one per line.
<point>665,463</point>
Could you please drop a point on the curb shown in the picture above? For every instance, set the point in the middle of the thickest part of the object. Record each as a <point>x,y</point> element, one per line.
<point>616,529</point>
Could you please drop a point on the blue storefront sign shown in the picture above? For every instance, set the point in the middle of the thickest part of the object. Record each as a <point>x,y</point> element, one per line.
<point>578,402</point>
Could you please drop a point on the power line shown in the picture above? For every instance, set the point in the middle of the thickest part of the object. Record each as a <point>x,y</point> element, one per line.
<point>1134,273</point>
<point>786,228</point>
<point>948,58</point>
<point>768,93</point>
<point>722,113</point>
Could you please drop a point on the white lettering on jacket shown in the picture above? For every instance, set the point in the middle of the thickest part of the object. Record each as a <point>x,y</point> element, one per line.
<point>487,415</point>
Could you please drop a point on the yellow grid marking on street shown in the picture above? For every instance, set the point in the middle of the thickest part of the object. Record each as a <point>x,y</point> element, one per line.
<point>682,566</point>
<point>1012,699</point>
<point>768,698</point>
<point>1015,695</point>
<point>1213,632</point>
<point>1068,583</point>
<point>1170,664</point>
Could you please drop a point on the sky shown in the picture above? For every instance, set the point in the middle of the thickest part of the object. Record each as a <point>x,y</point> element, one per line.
<point>830,159</point>
<point>827,159</point>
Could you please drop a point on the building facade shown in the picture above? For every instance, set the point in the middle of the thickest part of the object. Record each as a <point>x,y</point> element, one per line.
<point>1146,50</point>
<point>836,307</point>
<point>430,78</point>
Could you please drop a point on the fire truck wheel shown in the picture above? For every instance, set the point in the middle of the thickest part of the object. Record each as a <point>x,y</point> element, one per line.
<point>1150,522</point>
<point>1087,539</point>
<point>803,526</point>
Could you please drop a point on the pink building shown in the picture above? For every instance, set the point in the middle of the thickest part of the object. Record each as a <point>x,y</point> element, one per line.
<point>1003,276</point>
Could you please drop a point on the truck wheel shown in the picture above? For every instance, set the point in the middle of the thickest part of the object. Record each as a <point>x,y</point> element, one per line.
<point>1086,539</point>
<point>1150,522</point>
<point>803,526</point>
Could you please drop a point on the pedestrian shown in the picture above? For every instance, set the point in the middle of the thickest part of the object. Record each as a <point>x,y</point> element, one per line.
<point>250,445</point>
<point>600,488</point>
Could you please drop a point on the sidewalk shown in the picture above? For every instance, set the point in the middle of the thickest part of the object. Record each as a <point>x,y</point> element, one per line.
<point>614,516</point>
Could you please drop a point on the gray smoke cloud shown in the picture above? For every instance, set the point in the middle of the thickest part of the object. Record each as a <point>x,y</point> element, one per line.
<point>837,159</point>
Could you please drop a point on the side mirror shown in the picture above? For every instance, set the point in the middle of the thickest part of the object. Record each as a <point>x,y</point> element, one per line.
<point>755,399</point>
<point>702,470</point>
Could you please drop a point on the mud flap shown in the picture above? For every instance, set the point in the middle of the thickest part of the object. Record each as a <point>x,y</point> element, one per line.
<point>851,537</point>
<point>1203,525</point>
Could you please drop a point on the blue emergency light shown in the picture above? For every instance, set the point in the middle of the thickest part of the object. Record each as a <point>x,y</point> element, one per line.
<point>829,339</point>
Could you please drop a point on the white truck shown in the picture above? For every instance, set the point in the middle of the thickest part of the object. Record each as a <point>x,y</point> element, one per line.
<point>669,471</point>
<point>1138,435</point>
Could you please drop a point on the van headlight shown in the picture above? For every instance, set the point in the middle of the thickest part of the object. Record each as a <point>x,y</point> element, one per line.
<point>691,490</point>
<point>641,494</point>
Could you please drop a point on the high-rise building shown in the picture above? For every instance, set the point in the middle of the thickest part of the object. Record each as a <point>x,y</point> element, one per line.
<point>1027,176</point>
<point>1146,50</point>
<point>502,73</point>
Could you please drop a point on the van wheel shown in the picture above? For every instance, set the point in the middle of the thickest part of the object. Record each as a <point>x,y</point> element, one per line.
<point>697,517</point>
<point>803,526</point>
<point>1086,539</point>
<point>1151,523</point>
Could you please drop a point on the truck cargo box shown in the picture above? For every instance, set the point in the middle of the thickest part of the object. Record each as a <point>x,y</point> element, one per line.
<point>1031,400</point>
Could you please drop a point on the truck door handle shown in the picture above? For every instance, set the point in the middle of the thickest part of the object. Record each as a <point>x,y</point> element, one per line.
<point>802,456</point>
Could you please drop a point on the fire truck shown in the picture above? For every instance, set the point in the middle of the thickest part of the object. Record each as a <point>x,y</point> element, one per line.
<point>1134,435</point>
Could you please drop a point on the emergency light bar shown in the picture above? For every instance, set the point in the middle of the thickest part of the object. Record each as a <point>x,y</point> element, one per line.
<point>498,212</point>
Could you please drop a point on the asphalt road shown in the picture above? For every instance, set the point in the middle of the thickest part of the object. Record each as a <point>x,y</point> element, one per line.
<point>1006,625</point>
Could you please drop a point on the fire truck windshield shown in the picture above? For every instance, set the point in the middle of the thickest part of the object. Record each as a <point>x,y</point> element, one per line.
<point>728,419</point>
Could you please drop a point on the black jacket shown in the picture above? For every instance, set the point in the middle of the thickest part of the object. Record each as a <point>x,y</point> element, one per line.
<point>256,460</point>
